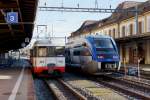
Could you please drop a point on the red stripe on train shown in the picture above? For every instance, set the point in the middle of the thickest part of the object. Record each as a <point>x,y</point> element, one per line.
<point>40,69</point>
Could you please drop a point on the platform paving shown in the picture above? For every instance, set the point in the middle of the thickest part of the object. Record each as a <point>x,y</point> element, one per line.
<point>16,83</point>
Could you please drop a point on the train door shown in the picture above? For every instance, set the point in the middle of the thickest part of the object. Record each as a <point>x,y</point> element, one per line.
<point>51,56</point>
<point>67,56</point>
<point>85,56</point>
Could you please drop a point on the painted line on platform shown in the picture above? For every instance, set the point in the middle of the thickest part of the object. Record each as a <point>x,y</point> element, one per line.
<point>16,87</point>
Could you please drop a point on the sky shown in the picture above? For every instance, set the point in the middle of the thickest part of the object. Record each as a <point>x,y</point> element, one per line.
<point>61,24</point>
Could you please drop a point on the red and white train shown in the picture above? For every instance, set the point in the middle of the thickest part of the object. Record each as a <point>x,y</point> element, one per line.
<point>47,58</point>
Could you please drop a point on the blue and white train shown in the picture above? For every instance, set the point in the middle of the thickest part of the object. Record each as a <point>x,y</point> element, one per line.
<point>93,54</point>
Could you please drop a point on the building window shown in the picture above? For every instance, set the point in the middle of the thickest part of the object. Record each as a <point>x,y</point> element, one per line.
<point>123,31</point>
<point>109,32</point>
<point>140,27</point>
<point>114,32</point>
<point>131,29</point>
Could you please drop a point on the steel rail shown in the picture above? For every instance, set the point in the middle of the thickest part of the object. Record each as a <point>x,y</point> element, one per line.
<point>124,89</point>
<point>67,87</point>
<point>132,82</point>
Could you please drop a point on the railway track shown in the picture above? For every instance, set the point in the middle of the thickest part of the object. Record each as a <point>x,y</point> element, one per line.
<point>63,91</point>
<point>132,79</point>
<point>135,89</point>
<point>92,90</point>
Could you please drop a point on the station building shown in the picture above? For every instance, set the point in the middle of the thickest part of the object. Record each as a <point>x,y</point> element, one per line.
<point>122,27</point>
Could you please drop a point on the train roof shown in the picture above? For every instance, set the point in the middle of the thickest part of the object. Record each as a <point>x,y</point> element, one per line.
<point>98,36</point>
<point>46,42</point>
<point>83,39</point>
<point>43,42</point>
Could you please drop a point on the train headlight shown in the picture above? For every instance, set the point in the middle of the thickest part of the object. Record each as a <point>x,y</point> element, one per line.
<point>101,57</point>
<point>115,57</point>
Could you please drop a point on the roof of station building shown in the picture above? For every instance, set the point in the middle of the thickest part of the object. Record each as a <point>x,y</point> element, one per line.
<point>115,17</point>
<point>13,35</point>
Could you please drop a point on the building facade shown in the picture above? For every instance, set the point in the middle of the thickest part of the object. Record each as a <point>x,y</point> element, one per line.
<point>133,44</point>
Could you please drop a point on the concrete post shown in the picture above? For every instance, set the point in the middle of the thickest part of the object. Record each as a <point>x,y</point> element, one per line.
<point>139,60</point>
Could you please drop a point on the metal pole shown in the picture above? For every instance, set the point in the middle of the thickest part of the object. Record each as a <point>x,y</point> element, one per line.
<point>139,60</point>
<point>19,55</point>
<point>52,30</point>
<point>137,32</point>
<point>65,39</point>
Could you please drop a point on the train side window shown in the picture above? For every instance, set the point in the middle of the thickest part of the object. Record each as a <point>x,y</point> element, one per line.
<point>76,53</point>
<point>60,51</point>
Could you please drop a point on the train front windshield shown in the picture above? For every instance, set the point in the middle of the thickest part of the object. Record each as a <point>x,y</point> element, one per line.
<point>103,43</point>
<point>50,51</point>
<point>104,46</point>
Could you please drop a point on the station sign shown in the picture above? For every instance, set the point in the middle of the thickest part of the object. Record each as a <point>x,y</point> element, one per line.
<point>12,17</point>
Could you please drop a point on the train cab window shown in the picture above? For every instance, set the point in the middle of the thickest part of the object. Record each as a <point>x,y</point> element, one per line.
<point>51,51</point>
<point>55,51</point>
<point>42,52</point>
<point>104,43</point>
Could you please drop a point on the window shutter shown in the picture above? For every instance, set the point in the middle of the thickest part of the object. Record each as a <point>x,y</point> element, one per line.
<point>148,24</point>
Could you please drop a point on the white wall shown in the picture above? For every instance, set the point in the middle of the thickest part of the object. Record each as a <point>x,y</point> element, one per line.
<point>148,23</point>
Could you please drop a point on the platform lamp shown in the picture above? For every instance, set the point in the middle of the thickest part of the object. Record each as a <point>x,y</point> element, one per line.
<point>27,40</point>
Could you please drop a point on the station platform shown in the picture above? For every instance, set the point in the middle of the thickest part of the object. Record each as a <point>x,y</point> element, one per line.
<point>16,83</point>
<point>144,68</point>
